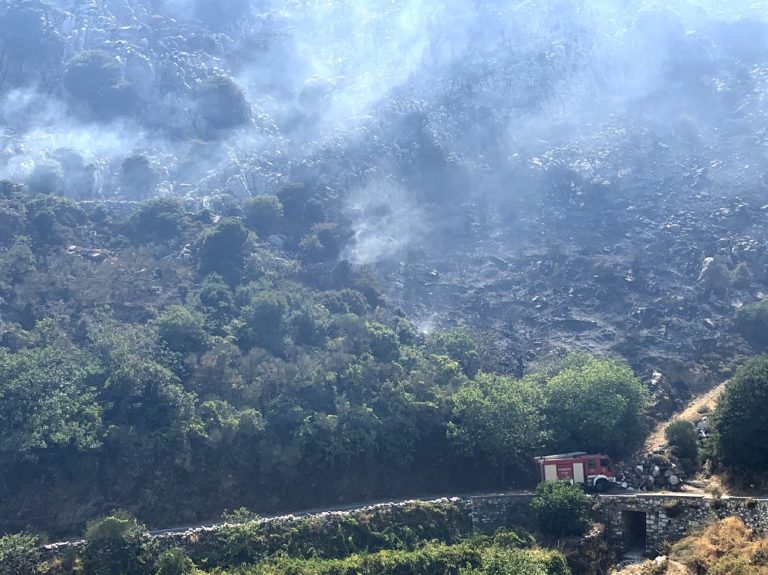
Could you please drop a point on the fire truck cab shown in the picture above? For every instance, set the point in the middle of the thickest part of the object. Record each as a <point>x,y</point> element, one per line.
<point>592,470</point>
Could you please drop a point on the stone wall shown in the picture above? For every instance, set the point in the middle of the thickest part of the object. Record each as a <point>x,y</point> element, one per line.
<point>668,517</point>
<point>481,514</point>
<point>672,517</point>
<point>489,512</point>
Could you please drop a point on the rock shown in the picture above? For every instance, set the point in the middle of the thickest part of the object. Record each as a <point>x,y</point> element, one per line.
<point>668,473</point>
<point>639,469</point>
<point>656,471</point>
<point>674,480</point>
<point>657,378</point>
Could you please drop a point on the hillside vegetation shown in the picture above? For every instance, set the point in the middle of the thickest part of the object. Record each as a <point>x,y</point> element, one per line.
<point>175,364</point>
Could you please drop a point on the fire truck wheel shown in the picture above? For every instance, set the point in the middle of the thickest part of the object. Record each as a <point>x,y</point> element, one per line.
<point>601,485</point>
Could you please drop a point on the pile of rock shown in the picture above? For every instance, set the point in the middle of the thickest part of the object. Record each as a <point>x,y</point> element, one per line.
<point>654,471</point>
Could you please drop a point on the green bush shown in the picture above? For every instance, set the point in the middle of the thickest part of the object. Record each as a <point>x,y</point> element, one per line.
<point>742,416</point>
<point>223,249</point>
<point>561,509</point>
<point>160,219</point>
<point>263,214</point>
<point>751,321</point>
<point>182,330</point>
<point>240,515</point>
<point>18,554</point>
<point>221,103</point>
<point>741,276</point>
<point>509,562</point>
<point>138,179</point>
<point>96,80</point>
<point>459,344</point>
<point>683,439</point>
<point>174,562</point>
<point>114,545</point>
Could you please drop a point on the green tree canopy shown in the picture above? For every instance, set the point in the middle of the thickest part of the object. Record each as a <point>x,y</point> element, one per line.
<point>223,249</point>
<point>47,401</point>
<point>263,214</point>
<point>461,345</point>
<point>597,405</point>
<point>182,330</point>
<point>741,417</point>
<point>497,417</point>
<point>96,80</point>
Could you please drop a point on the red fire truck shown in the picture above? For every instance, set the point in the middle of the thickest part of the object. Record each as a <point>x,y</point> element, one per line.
<point>592,470</point>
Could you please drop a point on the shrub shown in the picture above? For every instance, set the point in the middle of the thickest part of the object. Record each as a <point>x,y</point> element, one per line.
<point>96,79</point>
<point>222,249</point>
<point>516,539</point>
<point>240,515</point>
<point>182,330</point>
<point>683,439</point>
<point>742,416</point>
<point>751,321</point>
<point>159,219</point>
<point>222,106</point>
<point>113,545</point>
<point>561,509</point>
<point>174,562</point>
<point>138,180</point>
<point>263,214</point>
<point>18,554</point>
<point>510,562</point>
<point>741,276</point>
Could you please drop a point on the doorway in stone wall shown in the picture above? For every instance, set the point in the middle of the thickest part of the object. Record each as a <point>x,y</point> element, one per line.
<point>635,537</point>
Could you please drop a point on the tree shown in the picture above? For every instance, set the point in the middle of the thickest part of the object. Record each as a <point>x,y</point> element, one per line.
<point>383,342</point>
<point>182,330</point>
<point>46,178</point>
<point>29,42</point>
<point>144,396</point>
<point>223,249</point>
<point>47,402</point>
<point>597,405</point>
<point>741,417</point>
<point>221,105</point>
<point>264,323</point>
<point>160,219</point>
<point>751,320</point>
<point>138,180</point>
<point>95,80</point>
<point>498,418</point>
<point>461,345</point>
<point>263,214</point>
<point>560,508</point>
